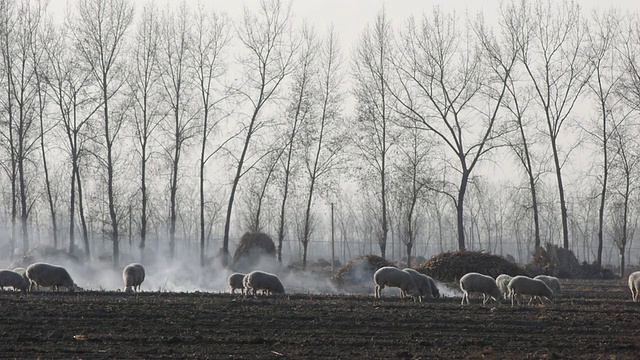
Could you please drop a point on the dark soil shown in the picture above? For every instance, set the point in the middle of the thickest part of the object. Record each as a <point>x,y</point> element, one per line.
<point>593,320</point>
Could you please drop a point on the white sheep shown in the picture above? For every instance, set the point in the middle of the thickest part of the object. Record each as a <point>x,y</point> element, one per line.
<point>236,281</point>
<point>13,279</point>
<point>435,293</point>
<point>260,280</point>
<point>634,285</point>
<point>503,281</point>
<point>133,276</point>
<point>422,283</point>
<point>394,277</point>
<point>43,274</point>
<point>476,282</point>
<point>552,282</point>
<point>524,285</point>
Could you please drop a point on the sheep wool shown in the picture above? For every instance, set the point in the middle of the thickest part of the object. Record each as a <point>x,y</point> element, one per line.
<point>13,279</point>
<point>479,283</point>
<point>524,285</point>
<point>260,280</point>
<point>133,276</point>
<point>552,282</point>
<point>422,283</point>
<point>389,276</point>
<point>634,285</point>
<point>43,274</point>
<point>503,281</point>
<point>236,281</point>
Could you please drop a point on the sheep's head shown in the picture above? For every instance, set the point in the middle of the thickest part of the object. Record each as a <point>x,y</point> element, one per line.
<point>128,290</point>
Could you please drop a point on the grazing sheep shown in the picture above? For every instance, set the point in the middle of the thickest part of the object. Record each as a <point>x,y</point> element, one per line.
<point>236,281</point>
<point>394,277</point>
<point>133,276</point>
<point>503,281</point>
<point>475,282</point>
<point>43,274</point>
<point>13,279</point>
<point>634,285</point>
<point>422,283</point>
<point>552,282</point>
<point>435,293</point>
<point>260,280</point>
<point>524,285</point>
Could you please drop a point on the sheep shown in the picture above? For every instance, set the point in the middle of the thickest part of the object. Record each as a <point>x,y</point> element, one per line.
<point>236,281</point>
<point>394,277</point>
<point>422,283</point>
<point>260,280</point>
<point>13,279</point>
<point>524,285</point>
<point>43,274</point>
<point>552,282</point>
<point>634,285</point>
<point>475,282</point>
<point>435,293</point>
<point>133,276</point>
<point>503,280</point>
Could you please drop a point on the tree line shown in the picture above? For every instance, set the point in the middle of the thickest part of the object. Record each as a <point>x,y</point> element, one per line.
<point>185,122</point>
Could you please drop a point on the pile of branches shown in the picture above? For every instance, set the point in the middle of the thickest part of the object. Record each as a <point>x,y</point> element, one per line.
<point>562,263</point>
<point>321,265</point>
<point>44,253</point>
<point>251,249</point>
<point>359,271</point>
<point>451,266</point>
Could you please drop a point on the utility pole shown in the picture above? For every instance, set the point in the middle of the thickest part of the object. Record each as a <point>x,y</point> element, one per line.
<point>333,253</point>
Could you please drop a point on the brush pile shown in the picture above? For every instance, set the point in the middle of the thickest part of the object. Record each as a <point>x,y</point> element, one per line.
<point>562,263</point>
<point>45,254</point>
<point>360,271</point>
<point>252,248</point>
<point>451,266</point>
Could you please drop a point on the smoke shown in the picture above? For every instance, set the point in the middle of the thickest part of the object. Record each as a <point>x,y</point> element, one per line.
<point>184,274</point>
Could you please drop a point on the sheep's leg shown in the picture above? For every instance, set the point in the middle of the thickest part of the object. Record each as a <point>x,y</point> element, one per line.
<point>464,295</point>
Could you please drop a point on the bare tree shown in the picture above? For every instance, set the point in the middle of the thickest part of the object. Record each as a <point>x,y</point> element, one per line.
<point>21,71</point>
<point>552,46</point>
<point>323,135</point>
<point>298,113</point>
<point>144,86</point>
<point>39,58</point>
<point>625,169</point>
<point>68,87</point>
<point>413,176</point>
<point>181,126</point>
<point>451,82</point>
<point>373,135</point>
<point>211,38</point>
<point>518,103</point>
<point>7,33</point>
<point>99,31</point>
<point>268,59</point>
<point>604,36</point>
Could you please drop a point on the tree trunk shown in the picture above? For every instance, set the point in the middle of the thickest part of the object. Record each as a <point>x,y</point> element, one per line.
<point>460,209</point>
<point>201,185</point>
<point>111,198</point>
<point>83,221</point>
<point>72,205</point>
<point>563,205</point>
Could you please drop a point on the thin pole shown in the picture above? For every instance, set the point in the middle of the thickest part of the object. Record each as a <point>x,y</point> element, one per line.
<point>333,253</point>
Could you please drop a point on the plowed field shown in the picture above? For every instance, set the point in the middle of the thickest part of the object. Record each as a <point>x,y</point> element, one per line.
<point>592,320</point>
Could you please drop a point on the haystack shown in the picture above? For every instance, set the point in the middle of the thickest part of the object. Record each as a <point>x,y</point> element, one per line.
<point>560,262</point>
<point>45,254</point>
<point>451,266</point>
<point>359,271</point>
<point>253,248</point>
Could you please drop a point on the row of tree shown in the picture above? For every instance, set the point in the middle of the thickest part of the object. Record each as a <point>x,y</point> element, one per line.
<point>111,116</point>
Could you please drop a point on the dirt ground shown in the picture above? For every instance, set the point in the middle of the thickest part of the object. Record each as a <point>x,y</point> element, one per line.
<point>593,320</point>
